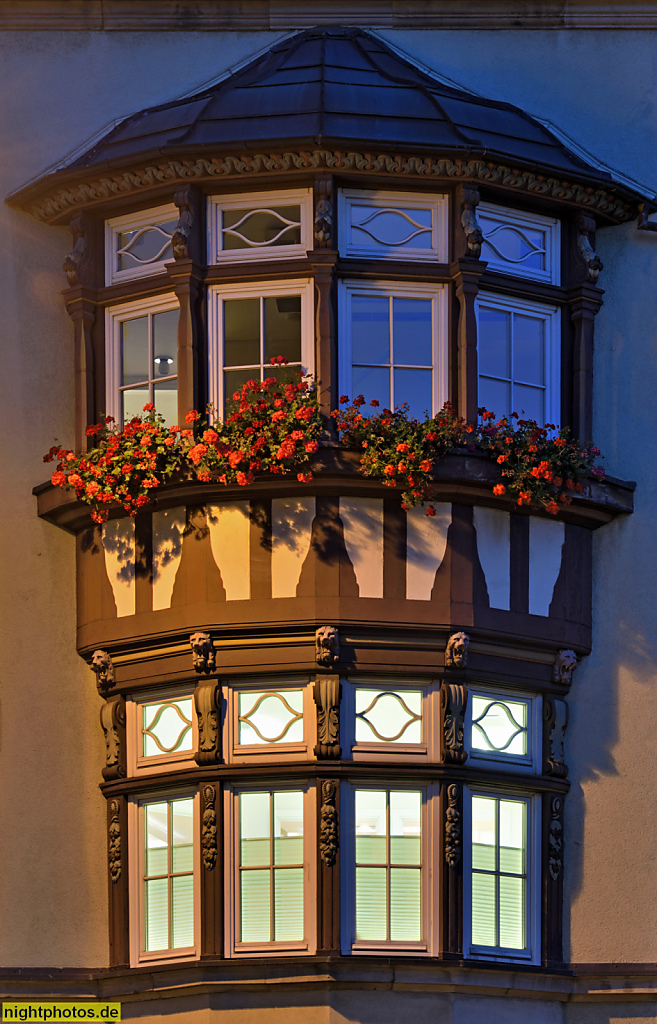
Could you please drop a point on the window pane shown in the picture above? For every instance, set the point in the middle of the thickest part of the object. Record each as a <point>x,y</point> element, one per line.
<point>370,329</point>
<point>484,910</point>
<point>242,333</point>
<point>499,726</point>
<point>288,904</point>
<point>157,837</point>
<point>512,836</point>
<point>283,327</point>
<point>405,904</point>
<point>165,400</point>
<point>183,835</point>
<point>134,350</point>
<point>405,827</point>
<point>388,716</point>
<point>255,906</point>
<point>494,347</point>
<point>288,828</point>
<point>271,717</point>
<point>517,246</point>
<point>412,332</point>
<point>148,244</point>
<point>528,349</point>
<point>495,396</point>
<point>278,225</point>
<point>415,388</point>
<point>483,832</point>
<point>167,727</point>
<point>156,899</point>
<point>401,228</point>
<point>165,343</point>
<point>183,911</point>
<point>512,912</point>
<point>133,402</point>
<point>529,403</point>
<point>372,383</point>
<point>371,912</point>
<point>255,828</point>
<point>371,828</point>
<point>233,380</point>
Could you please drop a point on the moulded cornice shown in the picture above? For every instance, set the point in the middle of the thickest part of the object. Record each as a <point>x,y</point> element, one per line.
<point>55,203</point>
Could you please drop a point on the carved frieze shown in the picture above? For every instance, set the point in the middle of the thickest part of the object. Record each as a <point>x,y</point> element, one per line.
<point>327,698</point>
<point>209,828</point>
<point>327,646</point>
<point>556,720</point>
<point>555,838</point>
<point>329,839</point>
<point>474,236</point>
<point>456,652</point>
<point>453,703</point>
<point>453,826</point>
<point>564,665</point>
<point>203,653</point>
<point>101,664</point>
<point>114,840</point>
<point>112,720</point>
<point>207,703</point>
<point>183,229</point>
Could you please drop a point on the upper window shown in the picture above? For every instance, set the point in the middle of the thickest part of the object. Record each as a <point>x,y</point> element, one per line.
<point>259,226</point>
<point>139,244</point>
<point>503,730</point>
<point>161,732</point>
<point>392,225</point>
<point>522,244</point>
<point>393,344</point>
<point>269,721</point>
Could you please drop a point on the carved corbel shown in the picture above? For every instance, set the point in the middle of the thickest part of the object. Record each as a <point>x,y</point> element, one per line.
<point>203,653</point>
<point>323,219</point>
<point>112,720</point>
<point>564,665</point>
<point>456,652</point>
<point>327,646</point>
<point>555,838</point>
<point>453,826</point>
<point>184,200</point>
<point>101,664</point>
<point>327,693</point>
<point>474,236</point>
<point>592,262</point>
<point>76,265</point>
<point>453,703</point>
<point>209,828</point>
<point>207,702</point>
<point>556,720</point>
<point>329,839</point>
<point>114,840</point>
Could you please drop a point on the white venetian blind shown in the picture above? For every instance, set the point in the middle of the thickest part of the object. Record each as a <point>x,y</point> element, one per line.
<point>168,875</point>
<point>499,872</point>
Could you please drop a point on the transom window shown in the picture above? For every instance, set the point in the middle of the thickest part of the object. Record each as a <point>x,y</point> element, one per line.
<point>392,225</point>
<point>166,727</point>
<point>271,716</point>
<point>388,716</point>
<point>522,244</point>
<point>139,245</point>
<point>504,728</point>
<point>260,225</point>
<point>142,358</point>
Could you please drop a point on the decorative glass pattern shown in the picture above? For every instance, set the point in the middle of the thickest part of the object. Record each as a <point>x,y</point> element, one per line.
<point>499,726</point>
<point>250,228</point>
<point>168,875</point>
<point>139,247</point>
<point>499,873</point>
<point>260,226</point>
<point>524,245</point>
<point>267,717</point>
<point>388,716</point>
<point>388,865</point>
<point>392,225</point>
<point>271,867</point>
<point>166,727</point>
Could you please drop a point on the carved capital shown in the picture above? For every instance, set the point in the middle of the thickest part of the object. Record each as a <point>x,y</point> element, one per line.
<point>453,826</point>
<point>327,646</point>
<point>556,719</point>
<point>468,199</point>
<point>564,665</point>
<point>112,720</point>
<point>555,838</point>
<point>203,653</point>
<point>101,664</point>
<point>592,264</point>
<point>184,200</point>
<point>76,265</point>
<point>209,828</point>
<point>207,702</point>
<point>114,840</point>
<point>453,704</point>
<point>327,693</point>
<point>456,652</point>
<point>329,838</point>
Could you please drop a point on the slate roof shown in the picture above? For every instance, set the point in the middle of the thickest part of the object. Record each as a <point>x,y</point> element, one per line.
<point>337,86</point>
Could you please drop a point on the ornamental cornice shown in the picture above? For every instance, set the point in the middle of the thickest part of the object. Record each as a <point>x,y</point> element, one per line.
<point>55,204</point>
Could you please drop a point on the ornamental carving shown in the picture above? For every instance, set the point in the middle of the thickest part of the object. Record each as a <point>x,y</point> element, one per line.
<point>327,698</point>
<point>323,225</point>
<point>453,702</point>
<point>114,840</point>
<point>207,703</point>
<point>456,652</point>
<point>209,828</point>
<point>112,720</point>
<point>555,839</point>
<point>328,824</point>
<point>453,826</point>
<point>203,653</point>
<point>183,228</point>
<point>592,262</point>
<point>474,236</point>
<point>101,664</point>
<point>564,665</point>
<point>327,646</point>
<point>76,264</point>
<point>556,718</point>
<point>169,172</point>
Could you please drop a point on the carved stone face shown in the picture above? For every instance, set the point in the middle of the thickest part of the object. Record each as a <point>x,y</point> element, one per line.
<point>327,644</point>
<point>457,650</point>
<point>100,661</point>
<point>564,664</point>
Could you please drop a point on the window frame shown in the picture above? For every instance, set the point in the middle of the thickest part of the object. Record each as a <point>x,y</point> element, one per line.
<point>216,205</point>
<point>218,293</point>
<point>237,753</point>
<point>131,222</point>
<point>136,895</point>
<point>520,219</point>
<point>423,752</point>
<point>499,761</point>
<point>140,764</point>
<point>438,203</point>
<point>438,293</point>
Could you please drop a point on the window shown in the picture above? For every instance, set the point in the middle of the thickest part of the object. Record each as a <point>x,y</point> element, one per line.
<point>142,358</point>
<point>502,865</point>
<point>393,344</point>
<point>519,358</point>
<point>252,324</point>
<point>503,728</point>
<point>522,244</point>
<point>393,225</point>
<point>164,911</point>
<point>161,731</point>
<point>259,226</point>
<point>266,721</point>
<point>139,244</point>
<point>388,720</point>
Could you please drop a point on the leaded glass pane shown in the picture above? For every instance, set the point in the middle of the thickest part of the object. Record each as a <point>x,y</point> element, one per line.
<point>388,716</point>
<point>139,247</point>
<point>500,726</point>
<point>513,245</point>
<point>267,717</point>
<point>167,727</point>
<point>388,227</point>
<point>247,228</point>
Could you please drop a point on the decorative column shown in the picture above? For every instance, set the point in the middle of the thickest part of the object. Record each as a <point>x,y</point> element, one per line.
<point>585,302</point>
<point>186,276</point>
<point>323,259</point>
<point>212,872</point>
<point>117,864</point>
<point>327,694</point>
<point>81,305</point>
<point>466,271</point>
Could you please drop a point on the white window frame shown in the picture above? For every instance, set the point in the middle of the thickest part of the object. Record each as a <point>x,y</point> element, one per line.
<point>438,204</point>
<point>530,762</point>
<point>307,945</point>
<point>140,764</point>
<point>551,315</point>
<point>504,215</point>
<point>237,753</point>
<point>217,294</point>
<point>372,751</point>
<point>533,892</point>
<point>114,317</point>
<point>138,956</point>
<point>257,201</point>
<point>397,289</point>
<point>431,873</point>
<point>132,222</point>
